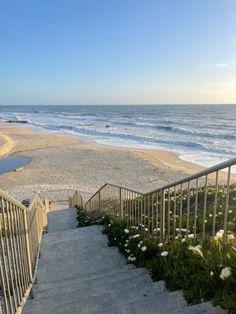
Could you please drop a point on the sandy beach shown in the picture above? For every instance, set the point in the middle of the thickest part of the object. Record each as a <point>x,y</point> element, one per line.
<point>62,161</point>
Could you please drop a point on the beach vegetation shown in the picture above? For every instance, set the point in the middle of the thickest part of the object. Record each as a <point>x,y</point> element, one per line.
<point>203,270</point>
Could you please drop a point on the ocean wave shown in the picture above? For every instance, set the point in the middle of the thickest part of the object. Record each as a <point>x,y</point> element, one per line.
<point>193,131</point>
<point>139,139</point>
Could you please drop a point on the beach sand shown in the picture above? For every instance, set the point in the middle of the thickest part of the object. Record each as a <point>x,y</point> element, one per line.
<point>62,161</point>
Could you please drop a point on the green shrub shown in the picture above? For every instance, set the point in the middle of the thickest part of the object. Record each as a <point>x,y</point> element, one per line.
<point>185,264</point>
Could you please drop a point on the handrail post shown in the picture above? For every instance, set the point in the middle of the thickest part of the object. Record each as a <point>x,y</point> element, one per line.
<point>162,216</point>
<point>121,209</point>
<point>28,247</point>
<point>75,202</point>
<point>99,200</point>
<point>81,203</point>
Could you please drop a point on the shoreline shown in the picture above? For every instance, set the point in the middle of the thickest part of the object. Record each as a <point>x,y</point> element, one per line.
<point>63,161</point>
<point>159,157</point>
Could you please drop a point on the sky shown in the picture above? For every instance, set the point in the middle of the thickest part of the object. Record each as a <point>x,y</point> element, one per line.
<point>117,52</point>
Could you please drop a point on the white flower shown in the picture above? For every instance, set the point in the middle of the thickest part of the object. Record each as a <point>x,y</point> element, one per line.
<point>109,225</point>
<point>230,211</point>
<point>195,250</point>
<point>191,236</point>
<point>219,234</point>
<point>183,240</point>
<point>210,215</point>
<point>141,242</point>
<point>165,253</point>
<point>144,248</point>
<point>136,236</point>
<point>115,239</point>
<point>230,236</point>
<point>139,245</point>
<point>131,258</point>
<point>225,273</point>
<point>126,244</point>
<point>126,241</point>
<point>160,244</point>
<point>126,230</point>
<point>146,229</point>
<point>211,273</point>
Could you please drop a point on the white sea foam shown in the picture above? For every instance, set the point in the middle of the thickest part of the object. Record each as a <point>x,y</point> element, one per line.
<point>204,135</point>
<point>206,160</point>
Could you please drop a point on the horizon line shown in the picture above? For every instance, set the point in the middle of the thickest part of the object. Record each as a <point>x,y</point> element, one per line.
<point>133,104</point>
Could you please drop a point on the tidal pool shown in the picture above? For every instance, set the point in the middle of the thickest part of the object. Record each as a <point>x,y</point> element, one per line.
<point>10,163</point>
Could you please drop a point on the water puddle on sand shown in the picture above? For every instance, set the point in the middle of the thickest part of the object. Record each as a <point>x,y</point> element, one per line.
<point>10,163</point>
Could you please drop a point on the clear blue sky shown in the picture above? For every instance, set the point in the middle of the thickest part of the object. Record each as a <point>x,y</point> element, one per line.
<point>117,51</point>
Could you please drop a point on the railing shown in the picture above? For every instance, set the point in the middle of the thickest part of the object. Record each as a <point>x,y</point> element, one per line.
<point>59,195</point>
<point>20,237</point>
<point>76,200</point>
<point>198,205</point>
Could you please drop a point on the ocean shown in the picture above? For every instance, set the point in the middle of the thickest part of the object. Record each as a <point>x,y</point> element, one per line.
<point>202,134</point>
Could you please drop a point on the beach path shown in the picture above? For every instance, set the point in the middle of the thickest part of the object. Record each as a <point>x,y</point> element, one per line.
<point>79,273</point>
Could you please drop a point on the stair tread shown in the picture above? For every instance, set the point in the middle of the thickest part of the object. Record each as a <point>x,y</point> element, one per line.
<point>112,303</point>
<point>201,308</point>
<point>99,294</point>
<point>101,277</point>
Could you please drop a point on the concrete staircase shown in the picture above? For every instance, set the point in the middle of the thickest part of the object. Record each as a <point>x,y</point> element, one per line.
<point>79,273</point>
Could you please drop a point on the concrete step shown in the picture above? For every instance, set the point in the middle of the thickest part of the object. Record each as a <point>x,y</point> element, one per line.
<point>73,248</point>
<point>202,308</point>
<point>91,232</point>
<point>74,266</point>
<point>125,301</point>
<point>162,304</point>
<point>140,286</point>
<point>61,220</point>
<point>98,281</point>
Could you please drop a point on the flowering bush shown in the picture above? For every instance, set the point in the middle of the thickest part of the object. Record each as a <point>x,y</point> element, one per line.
<point>84,219</point>
<point>205,271</point>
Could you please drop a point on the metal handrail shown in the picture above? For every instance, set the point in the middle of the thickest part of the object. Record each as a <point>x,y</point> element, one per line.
<point>20,237</point>
<point>181,206</point>
<point>196,175</point>
<point>207,171</point>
